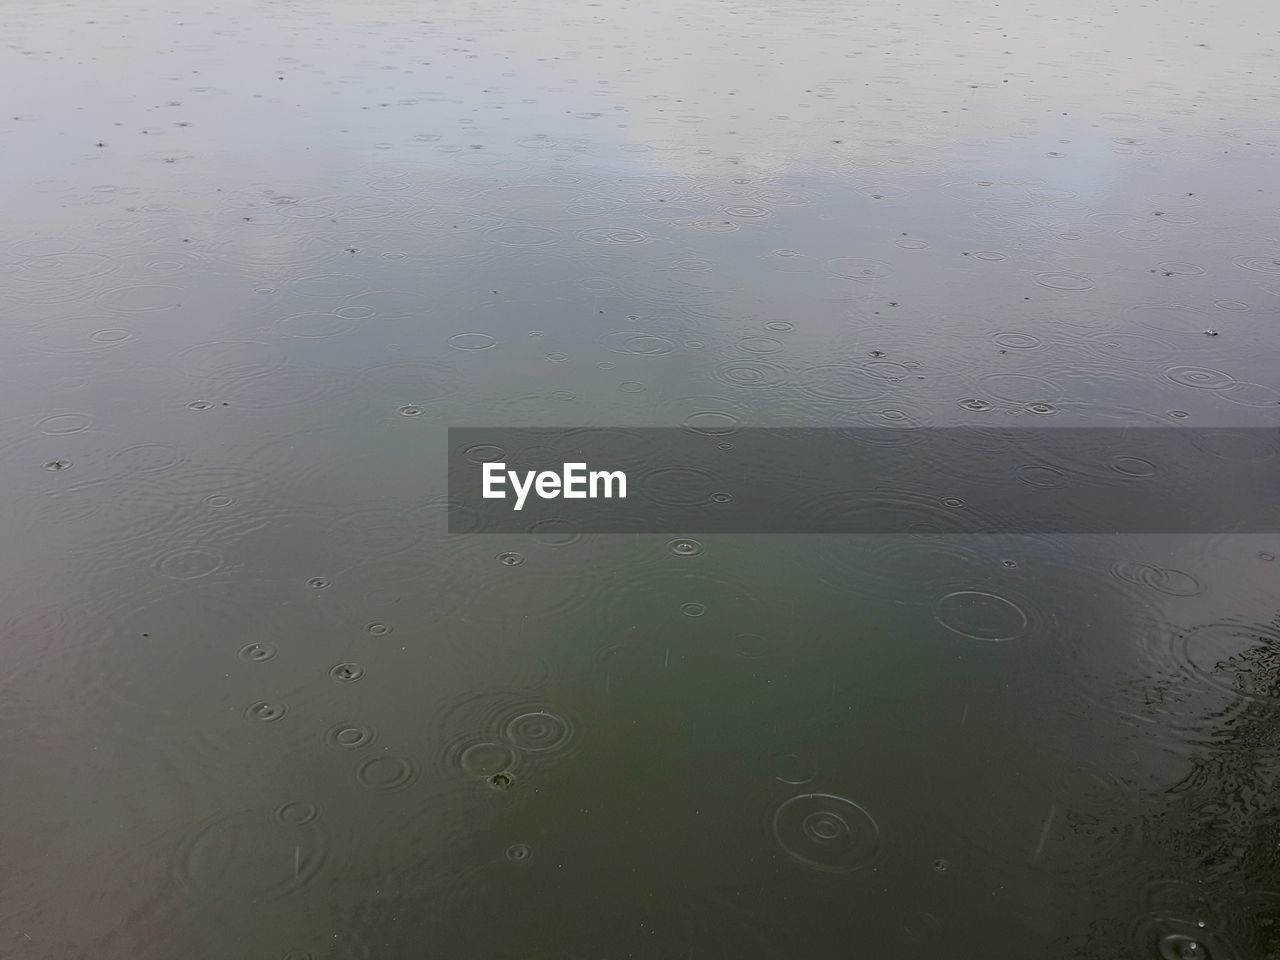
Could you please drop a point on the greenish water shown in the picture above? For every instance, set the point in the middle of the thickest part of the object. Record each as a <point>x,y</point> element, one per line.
<point>259,702</point>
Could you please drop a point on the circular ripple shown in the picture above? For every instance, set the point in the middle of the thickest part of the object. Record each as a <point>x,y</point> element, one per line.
<point>188,564</point>
<point>257,652</point>
<point>346,672</point>
<point>750,373</point>
<point>386,774</point>
<point>1203,378</point>
<point>1259,264</point>
<point>63,424</point>
<point>250,857</point>
<point>538,731</point>
<point>471,341</point>
<point>349,736</point>
<point>143,297</point>
<point>853,268</point>
<point>826,832</point>
<point>1236,658</point>
<point>64,267</point>
<point>265,711</point>
<point>1175,583</point>
<point>979,615</point>
<point>1064,281</point>
<point>518,852</point>
<point>1158,937</point>
<point>486,758</point>
<point>1016,341</point>
<point>684,547</point>
<point>226,360</point>
<point>637,344</point>
<point>840,382</point>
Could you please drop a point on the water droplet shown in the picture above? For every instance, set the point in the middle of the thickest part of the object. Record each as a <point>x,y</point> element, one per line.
<point>518,852</point>
<point>684,547</point>
<point>265,711</point>
<point>347,672</point>
<point>502,781</point>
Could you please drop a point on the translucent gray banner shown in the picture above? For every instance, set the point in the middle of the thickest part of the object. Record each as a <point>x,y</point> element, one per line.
<point>865,480</point>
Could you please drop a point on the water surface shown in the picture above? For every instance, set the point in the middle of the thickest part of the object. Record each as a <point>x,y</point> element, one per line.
<point>260,702</point>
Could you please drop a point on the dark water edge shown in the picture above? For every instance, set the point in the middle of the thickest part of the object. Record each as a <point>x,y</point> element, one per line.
<point>261,700</point>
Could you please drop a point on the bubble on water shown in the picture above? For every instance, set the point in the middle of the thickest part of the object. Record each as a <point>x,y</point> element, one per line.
<point>265,711</point>
<point>258,652</point>
<point>346,672</point>
<point>941,866</point>
<point>979,615</point>
<point>501,781</point>
<point>377,628</point>
<point>826,832</point>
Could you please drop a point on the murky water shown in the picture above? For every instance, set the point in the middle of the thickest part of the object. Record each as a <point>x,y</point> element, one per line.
<point>259,702</point>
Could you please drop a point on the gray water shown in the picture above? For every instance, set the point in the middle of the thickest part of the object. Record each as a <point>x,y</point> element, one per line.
<point>259,702</point>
